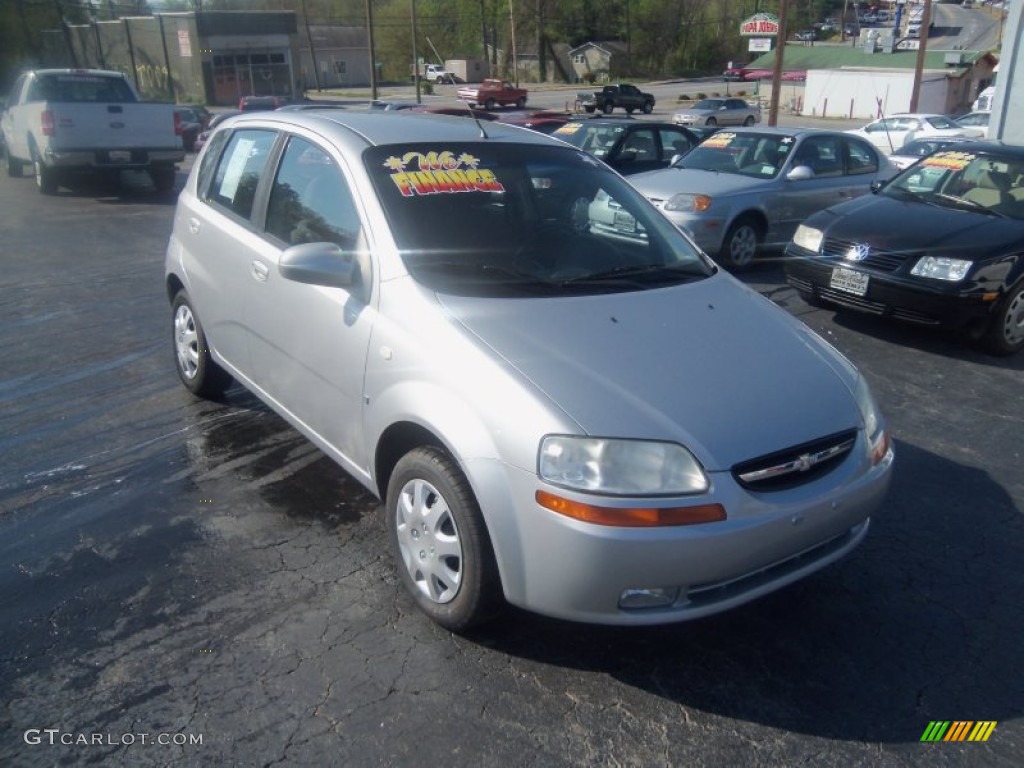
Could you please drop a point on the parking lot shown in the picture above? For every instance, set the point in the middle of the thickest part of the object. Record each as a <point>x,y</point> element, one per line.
<point>193,582</point>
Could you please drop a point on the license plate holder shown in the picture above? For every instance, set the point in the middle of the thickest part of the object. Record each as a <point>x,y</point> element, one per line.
<point>119,156</point>
<point>849,281</point>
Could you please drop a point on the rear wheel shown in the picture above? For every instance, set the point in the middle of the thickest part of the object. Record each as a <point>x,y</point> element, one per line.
<point>13,166</point>
<point>440,541</point>
<point>1005,334</point>
<point>711,123</point>
<point>629,110</point>
<point>489,104</point>
<point>740,245</point>
<point>607,107</point>
<point>749,121</point>
<point>46,177</point>
<point>589,109</point>
<point>196,368</point>
<point>163,178</point>
<point>521,102</point>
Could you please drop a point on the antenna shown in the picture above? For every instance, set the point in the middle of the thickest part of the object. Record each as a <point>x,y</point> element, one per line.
<point>472,113</point>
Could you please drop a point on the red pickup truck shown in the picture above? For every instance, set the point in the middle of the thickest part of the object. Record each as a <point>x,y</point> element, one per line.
<point>491,93</point>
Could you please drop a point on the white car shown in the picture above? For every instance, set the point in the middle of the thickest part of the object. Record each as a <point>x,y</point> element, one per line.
<point>890,133</point>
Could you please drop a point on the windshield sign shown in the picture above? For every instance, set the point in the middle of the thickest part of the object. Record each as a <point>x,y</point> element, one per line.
<point>759,155</point>
<point>510,220</point>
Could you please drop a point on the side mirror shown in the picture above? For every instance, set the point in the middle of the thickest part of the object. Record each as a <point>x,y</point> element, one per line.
<point>800,172</point>
<point>877,185</point>
<point>323,264</point>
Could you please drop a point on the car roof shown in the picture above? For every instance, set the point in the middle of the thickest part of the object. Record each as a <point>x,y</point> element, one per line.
<point>384,127</point>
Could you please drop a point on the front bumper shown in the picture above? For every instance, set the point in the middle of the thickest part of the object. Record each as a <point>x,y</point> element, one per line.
<point>708,232</point>
<point>916,300</point>
<point>562,567</point>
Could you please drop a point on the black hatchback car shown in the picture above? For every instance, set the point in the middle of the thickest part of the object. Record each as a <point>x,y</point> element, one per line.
<point>627,145</point>
<point>940,244</point>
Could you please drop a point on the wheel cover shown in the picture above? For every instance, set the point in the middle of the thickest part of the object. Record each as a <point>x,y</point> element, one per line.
<point>743,245</point>
<point>186,342</point>
<point>1013,320</point>
<point>429,541</point>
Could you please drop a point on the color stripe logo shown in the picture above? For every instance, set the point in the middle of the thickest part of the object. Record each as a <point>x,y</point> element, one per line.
<point>959,730</point>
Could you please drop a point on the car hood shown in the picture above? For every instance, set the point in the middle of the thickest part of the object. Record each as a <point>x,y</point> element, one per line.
<point>662,184</point>
<point>711,365</point>
<point>903,225</point>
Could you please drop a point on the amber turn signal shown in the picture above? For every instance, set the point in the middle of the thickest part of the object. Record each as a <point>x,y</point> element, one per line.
<point>631,517</point>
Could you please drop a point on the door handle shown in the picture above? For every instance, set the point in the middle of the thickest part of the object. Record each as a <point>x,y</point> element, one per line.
<point>260,271</point>
<point>193,226</point>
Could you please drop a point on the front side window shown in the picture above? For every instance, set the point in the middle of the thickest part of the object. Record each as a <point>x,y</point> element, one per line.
<point>524,220</point>
<point>310,200</point>
<point>861,158</point>
<point>239,171</point>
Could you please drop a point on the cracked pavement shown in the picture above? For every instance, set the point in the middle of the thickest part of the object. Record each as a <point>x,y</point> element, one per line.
<point>170,566</point>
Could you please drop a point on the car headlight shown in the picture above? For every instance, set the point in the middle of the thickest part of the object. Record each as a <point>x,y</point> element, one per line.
<point>874,424</point>
<point>688,203</point>
<point>808,238</point>
<point>620,467</point>
<point>941,268</point>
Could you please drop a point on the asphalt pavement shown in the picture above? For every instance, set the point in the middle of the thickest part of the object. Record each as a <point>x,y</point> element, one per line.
<point>192,583</point>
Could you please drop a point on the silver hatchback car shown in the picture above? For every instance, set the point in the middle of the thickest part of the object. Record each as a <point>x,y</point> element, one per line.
<point>556,413</point>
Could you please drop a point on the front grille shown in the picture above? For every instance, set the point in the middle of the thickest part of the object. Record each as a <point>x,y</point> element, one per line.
<point>796,465</point>
<point>882,260</point>
<point>875,307</point>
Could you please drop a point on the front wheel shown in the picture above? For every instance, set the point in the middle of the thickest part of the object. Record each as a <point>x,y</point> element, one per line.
<point>521,102</point>
<point>489,104</point>
<point>1005,334</point>
<point>711,123</point>
<point>607,108</point>
<point>589,110</point>
<point>740,245</point>
<point>749,121</point>
<point>440,541</point>
<point>648,107</point>
<point>196,368</point>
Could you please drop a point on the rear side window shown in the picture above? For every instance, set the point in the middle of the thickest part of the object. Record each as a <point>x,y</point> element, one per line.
<point>861,159</point>
<point>240,169</point>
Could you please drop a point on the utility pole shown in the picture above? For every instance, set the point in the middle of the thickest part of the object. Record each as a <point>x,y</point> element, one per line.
<point>512,23</point>
<point>922,48</point>
<point>312,50</point>
<point>415,56</point>
<point>773,104</point>
<point>373,50</point>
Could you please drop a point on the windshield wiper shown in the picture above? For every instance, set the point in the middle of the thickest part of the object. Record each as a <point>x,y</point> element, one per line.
<point>626,271</point>
<point>493,273</point>
<point>971,205</point>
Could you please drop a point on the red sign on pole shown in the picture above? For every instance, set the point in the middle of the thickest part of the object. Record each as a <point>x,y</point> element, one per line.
<point>760,25</point>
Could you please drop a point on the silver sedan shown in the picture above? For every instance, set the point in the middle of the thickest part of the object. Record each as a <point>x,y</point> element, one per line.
<point>555,414</point>
<point>718,112</point>
<point>745,190</point>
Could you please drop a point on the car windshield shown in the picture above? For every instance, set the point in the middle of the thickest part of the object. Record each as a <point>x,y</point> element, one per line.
<point>524,220</point>
<point>712,104</point>
<point>982,182</point>
<point>596,138</point>
<point>759,155</point>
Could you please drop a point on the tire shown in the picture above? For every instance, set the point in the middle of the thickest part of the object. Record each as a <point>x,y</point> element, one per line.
<point>1005,334</point>
<point>629,110</point>
<point>711,123</point>
<point>489,105</point>
<point>607,108</point>
<point>749,121</point>
<point>440,80</point>
<point>589,110</point>
<point>196,368</point>
<point>440,542</point>
<point>521,102</point>
<point>648,107</point>
<point>13,166</point>
<point>46,177</point>
<point>163,178</point>
<point>740,245</point>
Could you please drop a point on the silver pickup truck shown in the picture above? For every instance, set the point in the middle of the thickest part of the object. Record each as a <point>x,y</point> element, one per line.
<point>72,121</point>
